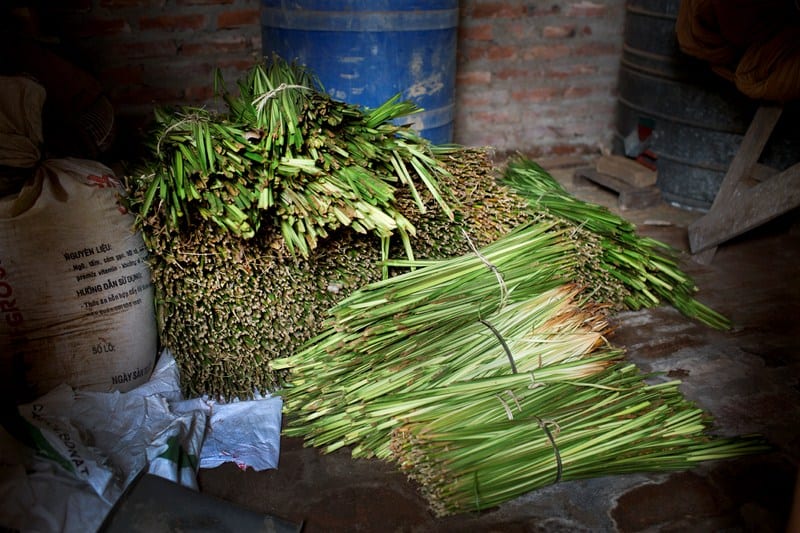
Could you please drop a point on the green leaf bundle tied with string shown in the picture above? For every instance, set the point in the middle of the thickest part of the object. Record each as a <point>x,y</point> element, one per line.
<point>487,376</point>
<point>289,156</point>
<point>647,269</point>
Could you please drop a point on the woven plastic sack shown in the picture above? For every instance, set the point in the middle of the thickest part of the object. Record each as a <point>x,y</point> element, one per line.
<point>76,299</point>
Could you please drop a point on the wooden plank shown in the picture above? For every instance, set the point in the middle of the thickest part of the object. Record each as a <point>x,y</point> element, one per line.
<point>630,197</point>
<point>625,169</point>
<point>639,198</point>
<point>706,256</point>
<point>562,161</point>
<point>761,172</point>
<point>750,150</point>
<point>748,209</point>
<point>705,232</point>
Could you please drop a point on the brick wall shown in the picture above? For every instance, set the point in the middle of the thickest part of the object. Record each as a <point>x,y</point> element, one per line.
<point>533,76</point>
<point>538,77</point>
<point>148,52</point>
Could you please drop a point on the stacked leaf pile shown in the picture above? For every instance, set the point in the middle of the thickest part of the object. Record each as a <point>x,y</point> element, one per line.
<point>486,442</point>
<point>487,376</point>
<point>436,325</point>
<point>478,363</point>
<point>261,218</point>
<point>249,216</point>
<point>228,306</point>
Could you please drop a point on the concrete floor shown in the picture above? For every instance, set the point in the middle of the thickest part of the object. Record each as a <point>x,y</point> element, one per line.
<point>747,378</point>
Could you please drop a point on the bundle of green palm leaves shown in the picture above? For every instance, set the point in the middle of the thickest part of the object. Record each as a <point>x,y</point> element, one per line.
<point>444,323</point>
<point>488,375</point>
<point>228,306</point>
<point>286,155</point>
<point>480,366</point>
<point>247,215</point>
<point>260,218</point>
<point>486,442</point>
<point>648,268</point>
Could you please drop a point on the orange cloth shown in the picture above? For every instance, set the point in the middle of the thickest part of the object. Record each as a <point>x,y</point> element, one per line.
<point>745,22</point>
<point>699,34</point>
<point>752,43</point>
<point>771,70</point>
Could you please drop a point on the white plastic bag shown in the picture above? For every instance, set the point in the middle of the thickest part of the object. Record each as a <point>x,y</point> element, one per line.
<point>73,453</point>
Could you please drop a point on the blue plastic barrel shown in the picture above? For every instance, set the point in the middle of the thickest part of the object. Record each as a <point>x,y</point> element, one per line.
<point>366,51</point>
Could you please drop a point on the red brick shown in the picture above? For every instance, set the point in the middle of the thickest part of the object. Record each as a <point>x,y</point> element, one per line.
<point>474,78</point>
<point>476,33</point>
<point>546,51</point>
<point>493,117</point>
<point>483,130</point>
<point>512,73</point>
<point>558,32</point>
<point>567,149</point>
<point>538,11</point>
<point>532,152</point>
<point>173,22</point>
<point>240,63</point>
<point>587,9</point>
<point>129,3</point>
<point>472,52</point>
<point>487,97</point>
<point>576,108</point>
<point>540,130</point>
<point>464,101</point>
<point>555,73</point>
<point>597,49</point>
<point>497,9</point>
<point>199,93</point>
<point>577,92</point>
<point>96,27</point>
<point>569,71</point>
<point>538,94</point>
<point>138,49</point>
<point>203,2</point>
<point>170,73</point>
<point>520,31</point>
<point>243,17</point>
<point>214,44</point>
<point>128,75</point>
<point>501,52</point>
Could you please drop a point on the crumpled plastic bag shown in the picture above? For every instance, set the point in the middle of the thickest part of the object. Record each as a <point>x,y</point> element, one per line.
<point>244,432</point>
<point>68,456</point>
